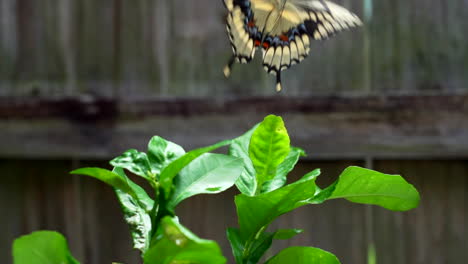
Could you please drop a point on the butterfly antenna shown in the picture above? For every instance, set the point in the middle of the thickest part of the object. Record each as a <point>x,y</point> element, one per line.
<point>228,67</point>
<point>278,82</point>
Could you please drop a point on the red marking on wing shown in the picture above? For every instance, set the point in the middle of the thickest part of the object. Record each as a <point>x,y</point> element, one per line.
<point>284,37</point>
<point>266,45</point>
<point>257,43</point>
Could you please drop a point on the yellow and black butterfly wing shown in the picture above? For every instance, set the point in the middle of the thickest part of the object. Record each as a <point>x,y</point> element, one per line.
<point>288,41</point>
<point>243,33</point>
<point>283,30</point>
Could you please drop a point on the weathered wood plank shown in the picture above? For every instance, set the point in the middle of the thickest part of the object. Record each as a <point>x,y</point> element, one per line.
<point>12,196</point>
<point>433,232</point>
<point>393,126</point>
<point>8,44</point>
<point>418,45</point>
<point>95,48</point>
<point>38,195</point>
<point>175,48</point>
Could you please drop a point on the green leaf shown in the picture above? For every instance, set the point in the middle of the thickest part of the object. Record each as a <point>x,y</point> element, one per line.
<point>210,173</point>
<point>259,245</point>
<point>255,249</point>
<point>268,148</point>
<point>237,243</point>
<point>135,202</point>
<point>283,170</point>
<point>168,174</point>
<point>134,161</point>
<point>42,247</point>
<point>176,244</point>
<point>365,186</point>
<point>304,255</point>
<point>256,212</point>
<point>247,182</point>
<point>109,177</point>
<point>136,213</point>
<point>284,234</point>
<point>161,153</point>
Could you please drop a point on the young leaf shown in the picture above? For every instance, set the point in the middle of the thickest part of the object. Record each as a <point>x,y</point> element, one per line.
<point>255,249</point>
<point>256,212</point>
<point>134,161</point>
<point>109,177</point>
<point>259,245</point>
<point>42,247</point>
<point>268,148</point>
<point>365,186</point>
<point>247,182</point>
<point>136,213</point>
<point>237,243</point>
<point>161,153</point>
<point>284,234</point>
<point>303,255</point>
<point>169,172</point>
<point>283,170</point>
<point>210,173</point>
<point>176,244</point>
<point>263,241</point>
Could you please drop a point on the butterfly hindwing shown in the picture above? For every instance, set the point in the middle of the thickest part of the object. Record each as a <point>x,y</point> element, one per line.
<point>283,29</point>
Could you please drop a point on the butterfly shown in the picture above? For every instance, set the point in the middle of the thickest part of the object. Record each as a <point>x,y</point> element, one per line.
<point>282,29</point>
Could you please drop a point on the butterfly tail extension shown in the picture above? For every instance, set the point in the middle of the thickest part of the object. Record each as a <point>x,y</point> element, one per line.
<point>279,87</point>
<point>228,68</point>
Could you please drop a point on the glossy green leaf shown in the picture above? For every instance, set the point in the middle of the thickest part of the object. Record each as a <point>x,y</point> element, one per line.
<point>249,252</point>
<point>268,148</point>
<point>304,255</point>
<point>284,234</point>
<point>136,213</point>
<point>210,173</point>
<point>169,173</point>
<point>42,247</point>
<point>256,212</point>
<point>247,182</point>
<point>258,247</point>
<point>176,244</point>
<point>283,170</point>
<point>135,202</point>
<point>109,177</point>
<point>161,153</point>
<point>237,243</point>
<point>134,161</point>
<point>365,186</point>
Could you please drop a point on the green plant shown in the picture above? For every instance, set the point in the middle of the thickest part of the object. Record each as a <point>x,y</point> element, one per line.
<point>258,164</point>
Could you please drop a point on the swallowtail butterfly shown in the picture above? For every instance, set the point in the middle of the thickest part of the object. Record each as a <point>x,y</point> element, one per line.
<point>282,29</point>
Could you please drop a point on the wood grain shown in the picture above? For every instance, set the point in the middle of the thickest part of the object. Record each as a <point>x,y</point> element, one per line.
<point>178,48</point>
<point>40,194</point>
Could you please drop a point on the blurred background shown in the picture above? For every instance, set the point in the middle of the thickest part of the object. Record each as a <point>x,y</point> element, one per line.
<point>83,80</point>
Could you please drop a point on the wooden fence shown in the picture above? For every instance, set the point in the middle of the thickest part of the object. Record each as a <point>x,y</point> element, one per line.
<point>178,48</point>
<point>40,194</point>
<point>81,81</point>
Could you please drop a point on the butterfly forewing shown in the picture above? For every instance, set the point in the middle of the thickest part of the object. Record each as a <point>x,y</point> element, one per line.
<point>283,29</point>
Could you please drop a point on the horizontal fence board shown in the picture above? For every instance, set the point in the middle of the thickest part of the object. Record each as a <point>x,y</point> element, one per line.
<point>327,127</point>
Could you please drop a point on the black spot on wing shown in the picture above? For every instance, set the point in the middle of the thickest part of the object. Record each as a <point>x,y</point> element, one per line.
<point>311,26</point>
